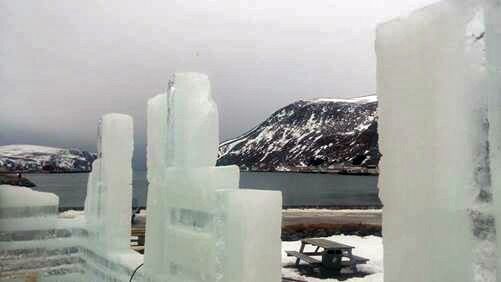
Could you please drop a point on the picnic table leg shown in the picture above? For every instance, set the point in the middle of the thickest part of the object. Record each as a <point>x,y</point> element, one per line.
<point>352,262</point>
<point>300,251</point>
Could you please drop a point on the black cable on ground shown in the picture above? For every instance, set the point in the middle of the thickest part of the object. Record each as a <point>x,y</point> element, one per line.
<point>134,273</point>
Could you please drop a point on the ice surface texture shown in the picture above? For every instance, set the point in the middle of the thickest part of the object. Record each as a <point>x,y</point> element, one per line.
<point>438,88</point>
<point>493,39</point>
<point>200,226</point>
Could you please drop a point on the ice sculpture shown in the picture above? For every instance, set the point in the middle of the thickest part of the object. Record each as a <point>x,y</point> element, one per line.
<point>108,203</point>
<point>20,206</point>
<point>200,226</point>
<point>36,243</point>
<point>438,88</point>
<point>26,216</point>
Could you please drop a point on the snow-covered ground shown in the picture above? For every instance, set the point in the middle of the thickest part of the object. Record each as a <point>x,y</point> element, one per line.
<point>313,212</point>
<point>370,247</point>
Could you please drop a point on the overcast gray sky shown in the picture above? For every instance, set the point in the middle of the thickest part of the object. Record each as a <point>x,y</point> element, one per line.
<point>63,64</point>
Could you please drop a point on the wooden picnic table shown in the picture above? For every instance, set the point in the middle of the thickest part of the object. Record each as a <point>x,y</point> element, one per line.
<point>326,244</point>
<point>332,254</point>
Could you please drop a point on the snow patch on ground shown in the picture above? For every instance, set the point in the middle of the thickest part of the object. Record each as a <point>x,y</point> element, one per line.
<point>70,214</point>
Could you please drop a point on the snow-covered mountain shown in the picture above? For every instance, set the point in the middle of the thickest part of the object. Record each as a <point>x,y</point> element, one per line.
<point>40,158</point>
<point>309,135</point>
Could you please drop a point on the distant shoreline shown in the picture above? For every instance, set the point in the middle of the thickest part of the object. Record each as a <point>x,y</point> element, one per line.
<point>348,171</point>
<point>345,171</point>
<point>284,208</point>
<point>40,172</point>
<point>56,172</point>
<point>14,180</point>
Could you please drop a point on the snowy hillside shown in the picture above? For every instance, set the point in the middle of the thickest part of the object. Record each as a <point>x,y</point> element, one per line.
<point>309,134</point>
<point>40,158</point>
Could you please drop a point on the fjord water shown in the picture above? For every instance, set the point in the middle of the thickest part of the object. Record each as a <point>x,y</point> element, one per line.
<point>298,189</point>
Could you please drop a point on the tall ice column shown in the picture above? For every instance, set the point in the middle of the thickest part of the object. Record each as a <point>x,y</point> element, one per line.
<point>108,204</point>
<point>200,227</point>
<point>182,201</point>
<point>435,124</point>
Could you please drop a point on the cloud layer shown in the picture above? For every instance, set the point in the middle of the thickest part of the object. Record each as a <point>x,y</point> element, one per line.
<point>65,63</point>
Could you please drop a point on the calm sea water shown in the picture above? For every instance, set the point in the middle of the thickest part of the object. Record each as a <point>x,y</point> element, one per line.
<point>298,189</point>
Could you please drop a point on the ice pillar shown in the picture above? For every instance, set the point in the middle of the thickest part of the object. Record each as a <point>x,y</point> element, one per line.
<point>493,42</point>
<point>108,203</point>
<point>252,243</point>
<point>192,233</point>
<point>435,119</point>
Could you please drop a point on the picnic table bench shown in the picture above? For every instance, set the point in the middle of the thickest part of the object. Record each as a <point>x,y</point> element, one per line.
<point>332,254</point>
<point>137,239</point>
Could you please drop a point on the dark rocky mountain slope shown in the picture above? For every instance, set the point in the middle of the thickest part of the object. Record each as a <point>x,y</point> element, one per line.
<point>309,135</point>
